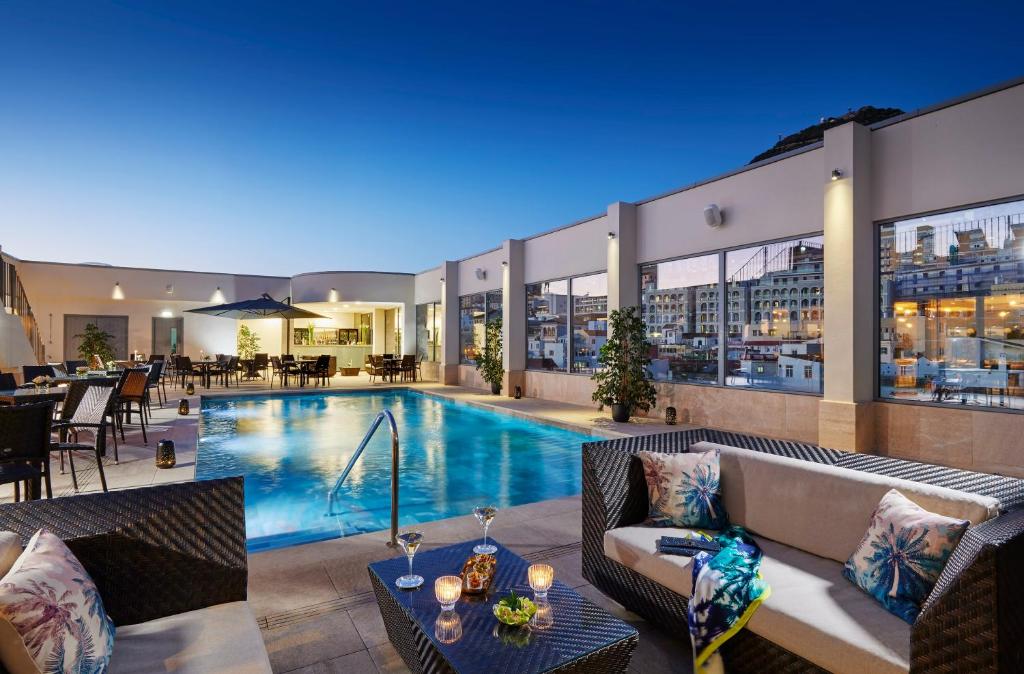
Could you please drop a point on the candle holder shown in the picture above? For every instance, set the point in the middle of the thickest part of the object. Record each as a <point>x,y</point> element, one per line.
<point>448,589</point>
<point>165,454</point>
<point>448,627</point>
<point>543,618</point>
<point>183,407</point>
<point>670,416</point>
<point>541,576</point>
<point>190,389</point>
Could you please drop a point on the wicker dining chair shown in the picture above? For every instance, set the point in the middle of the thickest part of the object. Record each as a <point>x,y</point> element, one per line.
<point>408,368</point>
<point>30,372</point>
<point>90,414</point>
<point>25,446</point>
<point>261,363</point>
<point>7,381</point>
<point>156,369</point>
<point>133,392</point>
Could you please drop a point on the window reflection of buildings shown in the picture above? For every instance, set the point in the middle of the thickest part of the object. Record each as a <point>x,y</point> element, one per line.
<point>951,317</point>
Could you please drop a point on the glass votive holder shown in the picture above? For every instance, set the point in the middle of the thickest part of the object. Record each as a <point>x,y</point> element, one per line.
<point>448,627</point>
<point>541,576</point>
<point>448,589</point>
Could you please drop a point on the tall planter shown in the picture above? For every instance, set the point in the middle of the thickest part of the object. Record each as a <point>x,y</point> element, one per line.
<point>622,380</point>
<point>488,363</point>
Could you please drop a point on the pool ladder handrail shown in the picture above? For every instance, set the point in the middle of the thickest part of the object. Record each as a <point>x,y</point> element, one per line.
<point>381,416</point>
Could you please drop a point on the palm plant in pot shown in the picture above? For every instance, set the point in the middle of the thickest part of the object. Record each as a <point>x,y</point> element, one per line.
<point>488,362</point>
<point>622,380</point>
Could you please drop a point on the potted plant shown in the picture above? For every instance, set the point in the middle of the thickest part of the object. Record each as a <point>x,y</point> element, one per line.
<point>248,342</point>
<point>95,342</point>
<point>622,379</point>
<point>488,362</point>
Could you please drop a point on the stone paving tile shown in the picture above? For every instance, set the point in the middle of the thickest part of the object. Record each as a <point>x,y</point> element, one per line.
<point>388,660</point>
<point>369,624</point>
<point>311,641</point>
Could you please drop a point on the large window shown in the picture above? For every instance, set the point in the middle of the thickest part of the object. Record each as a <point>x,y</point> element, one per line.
<point>429,321</point>
<point>951,317</point>
<point>475,311</point>
<point>775,312</point>
<point>566,323</point>
<point>547,325</point>
<point>680,308</point>
<point>589,320</point>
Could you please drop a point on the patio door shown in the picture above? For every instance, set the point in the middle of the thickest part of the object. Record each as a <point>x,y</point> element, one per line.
<point>74,324</point>
<point>168,336</point>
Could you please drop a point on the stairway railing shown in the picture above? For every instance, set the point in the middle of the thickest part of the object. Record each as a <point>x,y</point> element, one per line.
<point>15,302</point>
<point>333,494</point>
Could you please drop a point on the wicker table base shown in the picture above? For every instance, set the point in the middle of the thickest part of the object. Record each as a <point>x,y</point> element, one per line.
<point>582,637</point>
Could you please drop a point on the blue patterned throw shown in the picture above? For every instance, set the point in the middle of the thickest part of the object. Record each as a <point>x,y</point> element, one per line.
<point>727,589</point>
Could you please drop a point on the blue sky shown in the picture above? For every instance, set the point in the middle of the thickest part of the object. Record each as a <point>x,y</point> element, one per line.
<point>290,137</point>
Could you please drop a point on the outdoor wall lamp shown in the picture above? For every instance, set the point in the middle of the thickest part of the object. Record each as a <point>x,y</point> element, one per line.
<point>836,174</point>
<point>118,294</point>
<point>611,235</point>
<point>442,279</point>
<point>218,296</point>
<point>480,273</point>
<point>333,295</point>
<point>504,263</point>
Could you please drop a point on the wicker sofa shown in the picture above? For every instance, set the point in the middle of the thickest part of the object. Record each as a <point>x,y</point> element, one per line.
<point>170,564</point>
<point>808,513</point>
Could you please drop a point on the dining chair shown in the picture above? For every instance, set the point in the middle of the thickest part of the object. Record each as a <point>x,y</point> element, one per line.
<point>133,392</point>
<point>320,370</point>
<point>185,369</point>
<point>408,368</point>
<point>156,369</point>
<point>260,363</point>
<point>25,439</point>
<point>72,365</point>
<point>90,414</point>
<point>276,371</point>
<point>30,372</point>
<point>7,381</point>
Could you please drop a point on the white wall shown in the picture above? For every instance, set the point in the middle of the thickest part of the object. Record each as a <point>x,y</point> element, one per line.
<point>428,286</point>
<point>580,249</point>
<point>963,154</point>
<point>769,202</point>
<point>490,262</point>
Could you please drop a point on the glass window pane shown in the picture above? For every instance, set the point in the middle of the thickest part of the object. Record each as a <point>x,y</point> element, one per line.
<point>951,316</point>
<point>428,337</point>
<point>471,325</point>
<point>422,331</point>
<point>776,315</point>
<point>547,312</point>
<point>680,308</point>
<point>435,341</point>
<point>589,320</point>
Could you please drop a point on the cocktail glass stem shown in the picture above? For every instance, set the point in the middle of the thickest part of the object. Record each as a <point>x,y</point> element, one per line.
<point>486,524</point>
<point>410,563</point>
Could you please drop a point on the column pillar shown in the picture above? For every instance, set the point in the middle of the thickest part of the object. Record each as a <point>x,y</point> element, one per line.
<point>845,419</point>
<point>450,316</point>
<point>623,275</point>
<point>513,324</point>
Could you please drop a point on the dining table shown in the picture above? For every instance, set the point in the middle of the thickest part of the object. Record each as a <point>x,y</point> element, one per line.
<point>204,367</point>
<point>26,395</point>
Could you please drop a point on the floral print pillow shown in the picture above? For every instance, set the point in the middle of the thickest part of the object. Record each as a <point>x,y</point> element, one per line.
<point>683,490</point>
<point>49,600</point>
<point>902,554</point>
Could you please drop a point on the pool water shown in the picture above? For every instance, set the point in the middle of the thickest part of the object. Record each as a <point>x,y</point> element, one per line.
<point>292,448</point>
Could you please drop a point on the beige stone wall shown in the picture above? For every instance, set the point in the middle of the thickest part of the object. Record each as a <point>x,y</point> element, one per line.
<point>469,377</point>
<point>568,388</point>
<point>990,442</point>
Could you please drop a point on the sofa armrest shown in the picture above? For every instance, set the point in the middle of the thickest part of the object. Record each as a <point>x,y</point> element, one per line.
<point>614,490</point>
<point>153,552</point>
<point>974,616</point>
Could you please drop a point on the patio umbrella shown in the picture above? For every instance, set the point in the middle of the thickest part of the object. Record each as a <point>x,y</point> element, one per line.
<point>263,307</point>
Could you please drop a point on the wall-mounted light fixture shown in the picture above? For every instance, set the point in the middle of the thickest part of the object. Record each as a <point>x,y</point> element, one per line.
<point>166,313</point>
<point>218,296</point>
<point>333,295</point>
<point>836,174</point>
<point>480,273</point>
<point>713,216</point>
<point>117,294</point>
<point>442,279</point>
<point>611,235</point>
<point>504,263</point>
<point>170,288</point>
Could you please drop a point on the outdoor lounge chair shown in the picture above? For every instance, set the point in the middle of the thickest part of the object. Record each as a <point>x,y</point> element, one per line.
<point>808,507</point>
<point>178,601</point>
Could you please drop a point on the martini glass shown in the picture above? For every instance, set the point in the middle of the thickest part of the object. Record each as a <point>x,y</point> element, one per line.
<point>410,542</point>
<point>484,515</point>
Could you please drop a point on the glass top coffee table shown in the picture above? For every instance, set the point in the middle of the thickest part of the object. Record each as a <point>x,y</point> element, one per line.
<point>574,636</point>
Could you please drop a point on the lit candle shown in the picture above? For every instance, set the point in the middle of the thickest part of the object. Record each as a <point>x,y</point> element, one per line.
<point>448,589</point>
<point>541,576</point>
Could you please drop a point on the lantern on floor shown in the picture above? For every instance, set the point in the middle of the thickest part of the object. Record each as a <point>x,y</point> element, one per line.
<point>670,416</point>
<point>183,407</point>
<point>519,392</point>
<point>165,454</point>
<point>190,389</point>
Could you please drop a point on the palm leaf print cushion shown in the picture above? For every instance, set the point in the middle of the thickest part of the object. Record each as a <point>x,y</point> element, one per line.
<point>684,490</point>
<point>902,554</point>
<point>51,615</point>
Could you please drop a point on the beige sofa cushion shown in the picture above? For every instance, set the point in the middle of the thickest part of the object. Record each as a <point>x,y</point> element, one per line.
<point>10,550</point>
<point>813,610</point>
<point>822,509</point>
<point>223,639</point>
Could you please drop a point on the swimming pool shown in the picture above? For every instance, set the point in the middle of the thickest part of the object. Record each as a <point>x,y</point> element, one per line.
<point>291,449</point>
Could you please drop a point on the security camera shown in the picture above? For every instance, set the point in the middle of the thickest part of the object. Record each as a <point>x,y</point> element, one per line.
<point>481,274</point>
<point>713,215</point>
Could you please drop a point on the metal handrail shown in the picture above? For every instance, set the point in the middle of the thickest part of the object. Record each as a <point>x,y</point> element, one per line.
<point>381,416</point>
